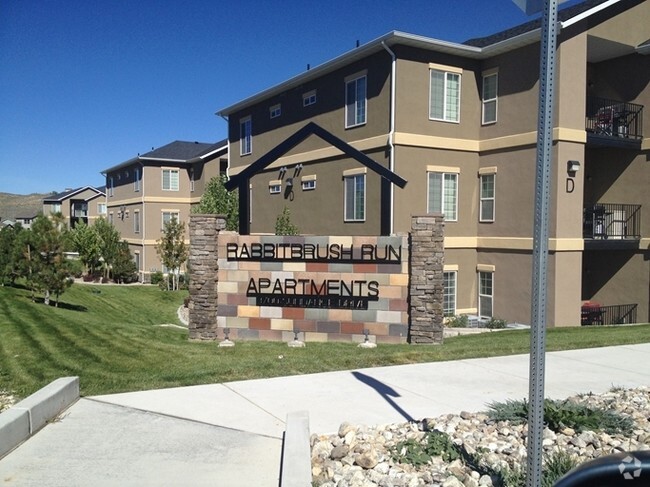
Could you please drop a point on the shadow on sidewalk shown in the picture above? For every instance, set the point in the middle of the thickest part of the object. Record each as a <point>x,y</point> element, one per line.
<point>384,391</point>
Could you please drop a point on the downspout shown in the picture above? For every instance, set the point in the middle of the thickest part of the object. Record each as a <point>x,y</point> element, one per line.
<point>391,131</point>
<point>143,223</point>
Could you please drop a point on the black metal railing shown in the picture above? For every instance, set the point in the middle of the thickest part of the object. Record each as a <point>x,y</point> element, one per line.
<point>611,221</point>
<point>614,118</point>
<point>618,314</point>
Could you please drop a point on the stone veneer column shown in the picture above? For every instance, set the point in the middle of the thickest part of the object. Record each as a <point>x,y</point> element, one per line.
<point>426,279</point>
<point>204,275</point>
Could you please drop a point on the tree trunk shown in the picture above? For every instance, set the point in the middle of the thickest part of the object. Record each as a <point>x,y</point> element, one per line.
<point>46,300</point>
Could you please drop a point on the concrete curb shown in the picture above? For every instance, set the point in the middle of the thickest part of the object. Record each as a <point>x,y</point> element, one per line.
<point>32,413</point>
<point>296,452</point>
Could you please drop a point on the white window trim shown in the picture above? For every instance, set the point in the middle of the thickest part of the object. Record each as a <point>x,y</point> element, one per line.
<point>170,212</point>
<point>136,180</point>
<point>111,186</point>
<point>275,186</point>
<point>484,101</point>
<point>309,98</point>
<point>454,272</point>
<point>445,171</point>
<point>351,175</point>
<point>191,171</point>
<point>480,295</point>
<point>275,111</point>
<point>99,208</point>
<point>308,183</point>
<point>246,140</point>
<point>136,221</point>
<point>354,79</point>
<point>483,199</point>
<point>446,70</point>
<point>162,178</point>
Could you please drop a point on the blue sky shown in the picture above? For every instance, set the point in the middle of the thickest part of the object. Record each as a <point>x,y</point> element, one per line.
<point>87,85</point>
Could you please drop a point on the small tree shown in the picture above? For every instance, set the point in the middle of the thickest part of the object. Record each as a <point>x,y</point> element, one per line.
<point>219,201</point>
<point>283,224</point>
<point>124,268</point>
<point>172,250</point>
<point>49,269</point>
<point>86,241</point>
<point>8,238</point>
<point>109,241</point>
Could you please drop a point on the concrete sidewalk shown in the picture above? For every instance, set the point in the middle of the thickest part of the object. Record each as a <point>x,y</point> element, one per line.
<point>232,434</point>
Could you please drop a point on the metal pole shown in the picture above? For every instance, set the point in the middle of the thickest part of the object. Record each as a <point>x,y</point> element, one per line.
<point>540,244</point>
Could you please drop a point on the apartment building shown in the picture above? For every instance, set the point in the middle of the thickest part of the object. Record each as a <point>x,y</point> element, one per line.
<point>458,122</point>
<point>84,204</point>
<point>147,191</point>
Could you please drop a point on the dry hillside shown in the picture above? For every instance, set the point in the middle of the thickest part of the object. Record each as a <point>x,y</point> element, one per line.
<point>15,205</point>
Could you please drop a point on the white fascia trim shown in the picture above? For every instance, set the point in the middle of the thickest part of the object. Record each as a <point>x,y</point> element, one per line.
<point>219,149</point>
<point>587,13</point>
<point>163,159</point>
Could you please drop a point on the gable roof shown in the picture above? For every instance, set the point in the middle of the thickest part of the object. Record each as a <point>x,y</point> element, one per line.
<point>55,198</point>
<point>292,141</point>
<point>481,48</point>
<point>177,152</point>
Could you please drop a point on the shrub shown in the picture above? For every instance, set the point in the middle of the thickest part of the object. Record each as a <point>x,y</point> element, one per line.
<point>434,443</point>
<point>459,321</point>
<point>495,324</point>
<point>157,277</point>
<point>563,414</point>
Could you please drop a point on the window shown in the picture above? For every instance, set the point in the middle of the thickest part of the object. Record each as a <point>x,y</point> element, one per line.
<point>191,179</point>
<point>245,136</point>
<point>167,217</point>
<point>449,293</point>
<point>101,208</point>
<point>275,187</point>
<point>56,208</point>
<point>136,222</point>
<point>486,203</point>
<point>485,294</point>
<point>275,111</point>
<point>490,85</point>
<point>136,260</point>
<point>110,218</point>
<point>355,198</point>
<point>170,179</point>
<point>308,185</point>
<point>110,186</point>
<point>309,98</point>
<point>443,194</point>
<point>444,96</point>
<point>136,180</point>
<point>355,102</point>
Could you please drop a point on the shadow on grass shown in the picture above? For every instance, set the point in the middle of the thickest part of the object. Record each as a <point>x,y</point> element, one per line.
<point>62,305</point>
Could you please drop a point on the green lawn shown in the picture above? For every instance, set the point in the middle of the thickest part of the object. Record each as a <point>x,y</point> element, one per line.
<point>108,336</point>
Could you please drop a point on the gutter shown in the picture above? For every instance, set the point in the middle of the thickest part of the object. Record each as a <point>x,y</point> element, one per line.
<point>391,131</point>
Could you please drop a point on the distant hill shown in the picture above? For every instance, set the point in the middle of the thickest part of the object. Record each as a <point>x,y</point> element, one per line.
<point>15,205</point>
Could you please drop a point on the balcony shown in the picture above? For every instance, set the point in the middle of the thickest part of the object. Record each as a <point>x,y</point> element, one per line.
<point>618,225</point>
<point>613,123</point>
<point>618,314</point>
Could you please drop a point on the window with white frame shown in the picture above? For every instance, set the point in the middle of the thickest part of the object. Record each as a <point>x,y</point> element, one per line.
<point>136,260</point>
<point>275,187</point>
<point>443,194</point>
<point>275,111</point>
<point>308,183</point>
<point>355,197</point>
<point>191,171</point>
<point>110,186</point>
<point>136,221</point>
<point>444,94</point>
<point>355,102</point>
<point>245,136</point>
<point>489,94</point>
<point>136,180</point>
<point>485,293</point>
<point>56,208</point>
<point>449,293</point>
<point>486,197</point>
<point>309,98</point>
<point>101,208</point>
<point>170,179</point>
<point>110,218</point>
<point>168,216</point>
